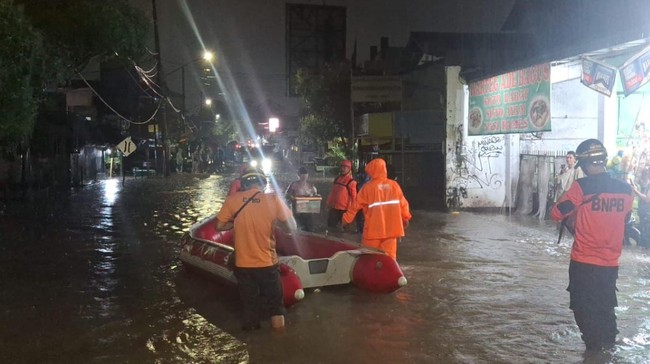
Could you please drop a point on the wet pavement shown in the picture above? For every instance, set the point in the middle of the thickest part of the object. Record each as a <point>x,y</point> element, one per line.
<point>91,275</point>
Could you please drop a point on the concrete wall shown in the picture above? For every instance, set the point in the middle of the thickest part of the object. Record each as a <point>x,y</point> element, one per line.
<point>577,113</point>
<point>485,167</point>
<point>424,88</point>
<point>488,167</point>
<point>574,116</point>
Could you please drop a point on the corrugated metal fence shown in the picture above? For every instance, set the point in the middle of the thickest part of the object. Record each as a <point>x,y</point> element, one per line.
<point>536,188</point>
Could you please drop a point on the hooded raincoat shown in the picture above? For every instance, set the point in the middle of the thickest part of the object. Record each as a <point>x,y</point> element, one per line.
<point>384,207</point>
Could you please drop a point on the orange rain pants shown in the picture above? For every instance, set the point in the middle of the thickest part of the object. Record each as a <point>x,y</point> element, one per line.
<point>387,245</point>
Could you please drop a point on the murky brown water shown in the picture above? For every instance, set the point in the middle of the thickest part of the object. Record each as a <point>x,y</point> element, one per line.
<point>93,277</point>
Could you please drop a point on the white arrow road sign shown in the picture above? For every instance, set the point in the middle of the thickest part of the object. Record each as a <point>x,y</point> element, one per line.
<point>126,146</point>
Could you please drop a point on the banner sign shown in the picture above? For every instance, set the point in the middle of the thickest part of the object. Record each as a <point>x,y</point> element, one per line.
<point>376,88</point>
<point>635,72</point>
<point>514,102</point>
<point>598,76</point>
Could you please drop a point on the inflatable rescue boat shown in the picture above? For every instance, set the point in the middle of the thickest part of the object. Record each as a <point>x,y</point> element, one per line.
<point>307,260</point>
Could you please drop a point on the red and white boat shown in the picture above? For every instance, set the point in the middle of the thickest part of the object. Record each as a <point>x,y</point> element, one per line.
<point>307,260</point>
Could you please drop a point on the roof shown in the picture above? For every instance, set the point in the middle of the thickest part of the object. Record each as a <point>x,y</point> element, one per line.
<point>541,31</point>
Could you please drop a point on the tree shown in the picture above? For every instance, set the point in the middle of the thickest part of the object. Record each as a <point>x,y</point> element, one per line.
<point>76,31</point>
<point>22,45</point>
<point>326,106</point>
<point>46,42</point>
<point>225,131</point>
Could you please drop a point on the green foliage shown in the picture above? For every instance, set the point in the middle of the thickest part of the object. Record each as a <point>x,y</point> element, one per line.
<point>325,97</point>
<point>46,42</point>
<point>224,131</point>
<point>22,45</point>
<point>316,131</point>
<point>77,30</point>
<point>337,152</point>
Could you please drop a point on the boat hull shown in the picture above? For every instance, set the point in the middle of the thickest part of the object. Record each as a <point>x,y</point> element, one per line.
<point>212,258</point>
<point>307,260</point>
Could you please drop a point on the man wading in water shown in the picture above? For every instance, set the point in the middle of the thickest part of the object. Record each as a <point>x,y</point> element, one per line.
<point>595,209</point>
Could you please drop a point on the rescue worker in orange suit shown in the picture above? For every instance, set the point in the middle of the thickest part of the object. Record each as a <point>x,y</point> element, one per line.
<point>256,261</point>
<point>235,186</point>
<point>342,194</point>
<point>384,207</point>
<point>595,209</point>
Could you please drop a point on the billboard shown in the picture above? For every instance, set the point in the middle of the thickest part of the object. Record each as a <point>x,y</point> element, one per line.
<point>314,36</point>
<point>598,76</point>
<point>635,72</point>
<point>514,102</point>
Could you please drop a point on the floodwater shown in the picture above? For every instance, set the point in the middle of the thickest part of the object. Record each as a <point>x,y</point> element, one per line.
<point>92,276</point>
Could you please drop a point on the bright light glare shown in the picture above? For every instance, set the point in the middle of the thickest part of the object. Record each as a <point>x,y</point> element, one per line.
<point>266,165</point>
<point>111,189</point>
<point>208,56</point>
<point>274,124</point>
<point>208,101</point>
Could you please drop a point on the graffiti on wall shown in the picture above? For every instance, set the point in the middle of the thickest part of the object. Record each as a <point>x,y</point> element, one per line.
<point>474,164</point>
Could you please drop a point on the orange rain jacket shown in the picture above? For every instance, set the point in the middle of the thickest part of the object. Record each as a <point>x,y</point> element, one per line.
<point>383,203</point>
<point>597,206</point>
<point>253,227</point>
<point>343,193</point>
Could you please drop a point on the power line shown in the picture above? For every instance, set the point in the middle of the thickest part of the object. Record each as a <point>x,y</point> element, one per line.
<point>115,111</point>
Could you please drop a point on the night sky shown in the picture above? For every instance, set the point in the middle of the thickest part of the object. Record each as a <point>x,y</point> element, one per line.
<point>249,38</point>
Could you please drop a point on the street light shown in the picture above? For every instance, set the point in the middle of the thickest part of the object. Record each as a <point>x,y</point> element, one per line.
<point>207,56</point>
<point>274,124</point>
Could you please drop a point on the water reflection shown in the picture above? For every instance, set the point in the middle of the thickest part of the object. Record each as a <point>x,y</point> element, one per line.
<point>101,268</point>
<point>111,187</point>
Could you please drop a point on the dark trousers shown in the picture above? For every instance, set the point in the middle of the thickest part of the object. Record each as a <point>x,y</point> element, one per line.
<point>260,290</point>
<point>304,221</point>
<point>334,218</point>
<point>593,298</point>
<point>361,221</point>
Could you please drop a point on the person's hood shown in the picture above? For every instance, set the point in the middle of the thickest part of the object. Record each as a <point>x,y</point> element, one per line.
<point>376,169</point>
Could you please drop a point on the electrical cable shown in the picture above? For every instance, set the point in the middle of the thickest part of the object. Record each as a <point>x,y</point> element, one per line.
<point>153,69</point>
<point>147,79</point>
<point>115,111</point>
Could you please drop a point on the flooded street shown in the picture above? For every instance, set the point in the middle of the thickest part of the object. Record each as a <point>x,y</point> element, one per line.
<point>92,276</point>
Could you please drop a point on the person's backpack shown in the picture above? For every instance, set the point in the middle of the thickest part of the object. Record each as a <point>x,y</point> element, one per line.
<point>363,179</point>
<point>347,185</point>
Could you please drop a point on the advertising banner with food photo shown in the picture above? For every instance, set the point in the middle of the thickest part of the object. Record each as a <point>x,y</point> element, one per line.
<point>514,102</point>
<point>598,76</point>
<point>635,72</point>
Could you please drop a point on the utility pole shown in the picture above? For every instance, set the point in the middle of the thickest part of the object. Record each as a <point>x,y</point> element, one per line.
<point>160,81</point>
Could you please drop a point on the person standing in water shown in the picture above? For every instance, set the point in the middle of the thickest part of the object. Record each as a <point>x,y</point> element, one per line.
<point>252,215</point>
<point>385,209</point>
<point>568,174</point>
<point>301,188</point>
<point>342,194</point>
<point>595,209</point>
